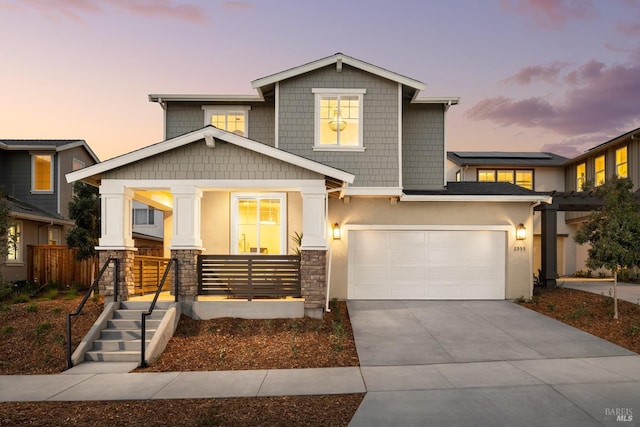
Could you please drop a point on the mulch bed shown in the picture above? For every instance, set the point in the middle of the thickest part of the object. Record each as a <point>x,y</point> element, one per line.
<point>592,313</point>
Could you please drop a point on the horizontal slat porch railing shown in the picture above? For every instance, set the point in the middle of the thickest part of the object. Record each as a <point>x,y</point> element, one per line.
<point>249,276</point>
<point>147,273</point>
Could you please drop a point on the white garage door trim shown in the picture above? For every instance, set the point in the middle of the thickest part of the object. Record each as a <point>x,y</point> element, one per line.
<point>427,262</point>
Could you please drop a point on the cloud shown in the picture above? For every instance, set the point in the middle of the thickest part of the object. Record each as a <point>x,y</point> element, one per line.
<point>552,14</point>
<point>598,99</point>
<point>548,73</point>
<point>238,5</point>
<point>629,28</point>
<point>573,147</point>
<point>76,9</point>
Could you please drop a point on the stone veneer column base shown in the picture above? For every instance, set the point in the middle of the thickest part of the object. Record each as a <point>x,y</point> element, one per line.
<point>187,273</point>
<point>125,274</point>
<point>313,278</point>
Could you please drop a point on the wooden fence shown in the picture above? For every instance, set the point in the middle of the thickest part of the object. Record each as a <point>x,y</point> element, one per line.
<point>57,264</point>
<point>147,274</point>
<point>249,276</point>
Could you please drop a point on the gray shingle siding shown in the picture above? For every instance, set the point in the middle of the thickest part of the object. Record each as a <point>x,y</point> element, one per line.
<point>17,180</point>
<point>183,117</point>
<point>197,161</point>
<point>377,166</point>
<point>423,146</point>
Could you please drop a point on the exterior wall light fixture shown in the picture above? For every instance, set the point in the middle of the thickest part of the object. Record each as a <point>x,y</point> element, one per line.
<point>335,231</point>
<point>521,232</point>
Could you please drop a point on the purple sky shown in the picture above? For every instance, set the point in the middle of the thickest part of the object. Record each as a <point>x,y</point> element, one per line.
<point>555,75</point>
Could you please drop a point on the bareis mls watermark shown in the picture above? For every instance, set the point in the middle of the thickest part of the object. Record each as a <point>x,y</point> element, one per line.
<point>620,414</point>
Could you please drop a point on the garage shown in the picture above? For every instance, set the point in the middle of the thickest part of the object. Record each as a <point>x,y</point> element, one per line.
<point>426,264</point>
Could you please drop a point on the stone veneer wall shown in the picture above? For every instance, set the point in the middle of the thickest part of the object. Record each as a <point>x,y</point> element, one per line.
<point>126,279</point>
<point>187,273</point>
<point>313,277</point>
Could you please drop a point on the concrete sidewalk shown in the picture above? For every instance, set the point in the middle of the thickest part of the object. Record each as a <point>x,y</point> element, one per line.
<point>626,291</point>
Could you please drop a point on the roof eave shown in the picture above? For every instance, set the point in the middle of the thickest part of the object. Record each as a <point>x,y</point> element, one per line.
<point>162,97</point>
<point>476,198</point>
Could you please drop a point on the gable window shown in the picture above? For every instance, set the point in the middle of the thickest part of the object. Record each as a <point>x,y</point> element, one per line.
<point>581,176</point>
<point>621,163</point>
<point>14,252</point>
<point>42,172</point>
<point>232,118</point>
<point>258,223</point>
<point>600,170</point>
<point>521,177</point>
<point>338,119</point>
<point>144,216</point>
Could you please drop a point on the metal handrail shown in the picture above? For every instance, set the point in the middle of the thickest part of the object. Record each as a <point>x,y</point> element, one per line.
<point>143,335</point>
<point>86,297</point>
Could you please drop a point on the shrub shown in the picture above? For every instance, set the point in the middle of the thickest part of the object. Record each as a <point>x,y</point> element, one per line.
<point>32,307</point>
<point>6,291</point>
<point>50,295</point>
<point>22,297</point>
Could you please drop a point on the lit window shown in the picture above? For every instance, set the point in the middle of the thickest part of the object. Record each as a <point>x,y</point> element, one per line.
<point>42,172</point>
<point>581,171</point>
<point>230,118</point>
<point>621,163</point>
<point>521,177</point>
<point>338,118</point>
<point>600,170</point>
<point>14,252</point>
<point>54,236</point>
<point>458,176</point>
<point>143,216</point>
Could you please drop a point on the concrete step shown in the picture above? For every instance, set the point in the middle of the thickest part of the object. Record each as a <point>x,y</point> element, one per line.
<point>125,334</point>
<point>113,356</point>
<point>132,323</point>
<point>144,305</point>
<point>118,345</point>
<point>135,314</point>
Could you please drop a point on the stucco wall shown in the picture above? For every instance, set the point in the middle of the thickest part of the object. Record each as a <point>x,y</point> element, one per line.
<point>365,211</point>
<point>377,166</point>
<point>197,161</point>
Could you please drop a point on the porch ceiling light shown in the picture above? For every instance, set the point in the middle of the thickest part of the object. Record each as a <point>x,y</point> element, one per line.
<point>337,122</point>
<point>521,232</point>
<point>335,231</point>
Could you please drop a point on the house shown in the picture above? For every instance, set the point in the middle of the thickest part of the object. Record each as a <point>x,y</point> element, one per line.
<point>345,153</point>
<point>32,176</point>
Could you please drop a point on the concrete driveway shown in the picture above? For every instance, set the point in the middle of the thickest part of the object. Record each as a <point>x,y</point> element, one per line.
<point>475,363</point>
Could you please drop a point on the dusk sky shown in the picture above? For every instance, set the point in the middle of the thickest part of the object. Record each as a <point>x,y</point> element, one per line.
<point>532,75</point>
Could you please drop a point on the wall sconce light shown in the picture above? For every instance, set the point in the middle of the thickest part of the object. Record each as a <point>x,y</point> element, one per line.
<point>335,231</point>
<point>521,232</point>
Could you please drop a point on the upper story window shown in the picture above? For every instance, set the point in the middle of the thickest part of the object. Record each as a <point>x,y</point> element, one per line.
<point>232,118</point>
<point>144,216</point>
<point>14,252</point>
<point>458,176</point>
<point>621,163</point>
<point>338,119</point>
<point>42,172</point>
<point>581,176</point>
<point>600,170</point>
<point>521,177</point>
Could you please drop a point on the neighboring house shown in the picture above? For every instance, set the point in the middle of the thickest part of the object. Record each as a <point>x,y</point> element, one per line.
<point>32,176</point>
<point>335,145</point>
<point>538,171</point>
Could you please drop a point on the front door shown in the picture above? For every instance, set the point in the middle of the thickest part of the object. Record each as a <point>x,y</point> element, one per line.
<point>258,223</point>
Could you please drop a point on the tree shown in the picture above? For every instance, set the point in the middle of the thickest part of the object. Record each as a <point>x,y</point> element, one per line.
<point>5,222</point>
<point>613,231</point>
<point>84,209</point>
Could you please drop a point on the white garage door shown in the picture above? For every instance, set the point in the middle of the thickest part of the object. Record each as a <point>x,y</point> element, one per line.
<point>426,264</point>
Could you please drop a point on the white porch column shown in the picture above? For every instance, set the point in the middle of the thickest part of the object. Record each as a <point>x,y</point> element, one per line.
<point>116,223</point>
<point>314,227</point>
<point>187,200</point>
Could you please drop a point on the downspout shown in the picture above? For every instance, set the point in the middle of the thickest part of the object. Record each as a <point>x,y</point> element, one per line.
<point>329,254</point>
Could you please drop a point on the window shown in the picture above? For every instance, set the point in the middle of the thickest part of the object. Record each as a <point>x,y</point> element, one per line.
<point>458,176</point>
<point>14,252</point>
<point>581,176</point>
<point>338,119</point>
<point>54,236</point>
<point>42,172</point>
<point>521,177</point>
<point>144,216</point>
<point>259,224</point>
<point>78,164</point>
<point>232,118</point>
<point>600,170</point>
<point>621,163</point>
